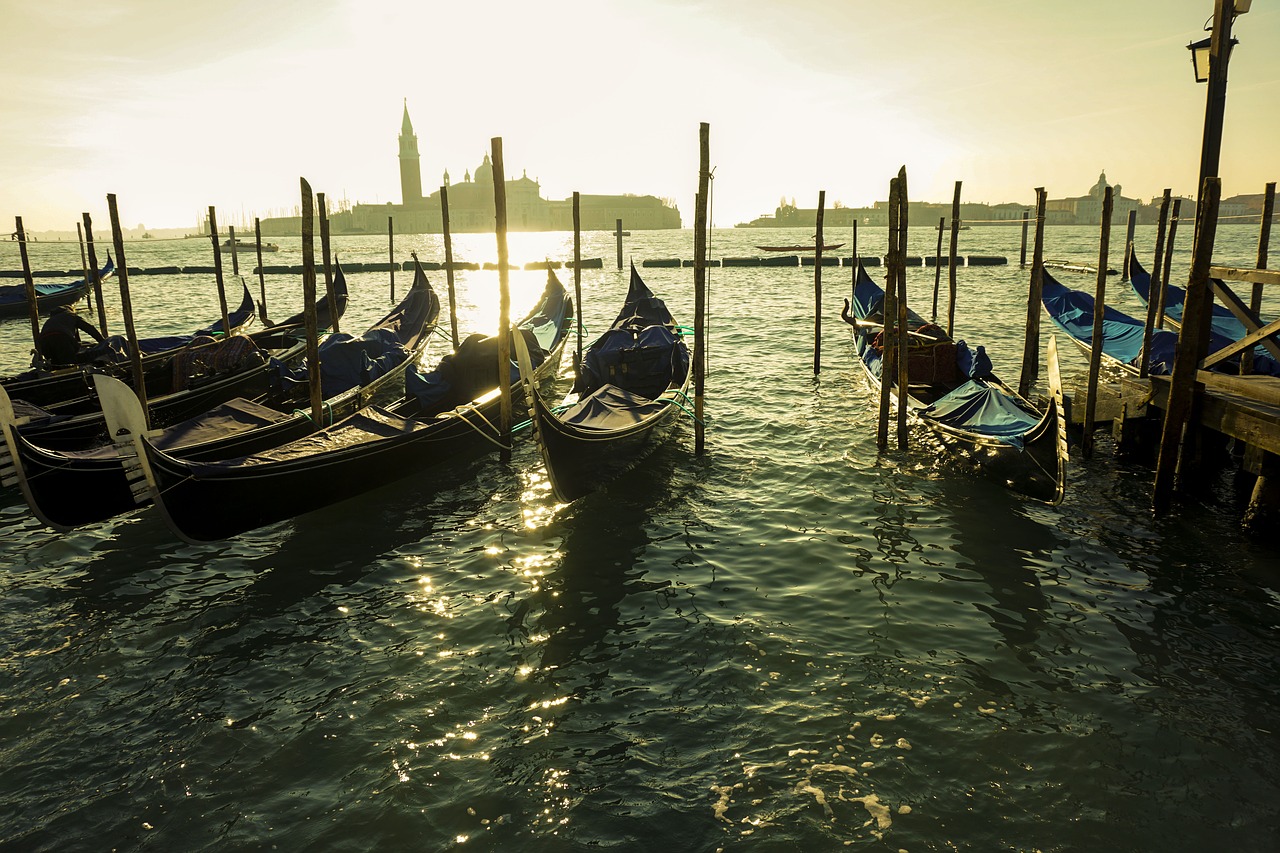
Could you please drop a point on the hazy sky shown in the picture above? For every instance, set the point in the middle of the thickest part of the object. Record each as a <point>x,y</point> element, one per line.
<point>176,106</point>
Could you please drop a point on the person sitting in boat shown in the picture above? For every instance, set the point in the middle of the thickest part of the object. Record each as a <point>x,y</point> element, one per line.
<point>59,341</point>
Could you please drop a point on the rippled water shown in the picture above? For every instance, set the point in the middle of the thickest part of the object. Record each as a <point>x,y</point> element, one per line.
<point>792,642</point>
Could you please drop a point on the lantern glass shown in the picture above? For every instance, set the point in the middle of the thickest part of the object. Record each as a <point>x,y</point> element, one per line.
<point>1200,59</point>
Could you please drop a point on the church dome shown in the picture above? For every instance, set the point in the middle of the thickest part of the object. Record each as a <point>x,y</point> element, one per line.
<point>484,172</point>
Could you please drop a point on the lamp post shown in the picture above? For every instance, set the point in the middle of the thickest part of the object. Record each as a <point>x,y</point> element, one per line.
<point>1193,338</point>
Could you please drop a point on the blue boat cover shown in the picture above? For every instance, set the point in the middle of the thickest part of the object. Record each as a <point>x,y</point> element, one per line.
<point>1225,327</point>
<point>346,362</point>
<point>978,407</point>
<point>644,361</point>
<point>612,408</point>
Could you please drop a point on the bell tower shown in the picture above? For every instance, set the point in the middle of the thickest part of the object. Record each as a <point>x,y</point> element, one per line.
<point>410,168</point>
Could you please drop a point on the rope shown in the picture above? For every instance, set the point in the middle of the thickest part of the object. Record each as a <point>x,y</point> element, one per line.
<point>326,405</point>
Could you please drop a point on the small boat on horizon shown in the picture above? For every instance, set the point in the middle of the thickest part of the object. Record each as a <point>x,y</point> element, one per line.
<point>826,248</point>
<point>249,246</point>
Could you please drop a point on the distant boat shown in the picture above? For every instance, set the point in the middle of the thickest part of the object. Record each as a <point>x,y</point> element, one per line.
<point>13,297</point>
<point>948,227</point>
<point>808,248</point>
<point>249,246</point>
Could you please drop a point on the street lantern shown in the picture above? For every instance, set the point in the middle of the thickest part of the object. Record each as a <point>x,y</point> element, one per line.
<point>1200,57</point>
<point>1200,49</point>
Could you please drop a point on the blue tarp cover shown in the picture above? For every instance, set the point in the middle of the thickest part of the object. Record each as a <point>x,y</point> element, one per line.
<point>644,362</point>
<point>978,407</point>
<point>347,362</point>
<point>611,408</point>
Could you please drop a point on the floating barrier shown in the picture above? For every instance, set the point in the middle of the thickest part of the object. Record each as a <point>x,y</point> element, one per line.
<point>587,264</point>
<point>662,262</point>
<point>710,262</point>
<point>827,261</point>
<point>986,260</point>
<point>543,265</point>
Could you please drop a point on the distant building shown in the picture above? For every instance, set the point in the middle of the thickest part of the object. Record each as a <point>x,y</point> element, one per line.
<point>471,205</point>
<point>1087,209</point>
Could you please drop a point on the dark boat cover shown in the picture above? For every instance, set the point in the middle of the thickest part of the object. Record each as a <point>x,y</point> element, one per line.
<point>644,361</point>
<point>346,362</point>
<point>611,408</point>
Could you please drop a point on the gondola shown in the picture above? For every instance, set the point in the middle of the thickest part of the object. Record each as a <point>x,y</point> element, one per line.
<point>831,247</point>
<point>249,246</point>
<point>1225,326</point>
<point>70,489</point>
<point>448,413</point>
<point>1071,311</point>
<point>13,297</point>
<point>45,387</point>
<point>631,385</point>
<point>983,424</point>
<point>187,381</point>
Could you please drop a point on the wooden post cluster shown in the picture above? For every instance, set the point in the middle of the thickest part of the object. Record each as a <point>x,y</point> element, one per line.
<point>1099,309</point>
<point>1192,341</point>
<point>1031,345</point>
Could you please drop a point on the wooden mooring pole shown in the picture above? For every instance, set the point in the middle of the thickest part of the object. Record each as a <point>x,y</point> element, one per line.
<point>700,288</point>
<point>853,278</point>
<point>1128,240</point>
<point>448,266</point>
<point>1022,262</point>
<point>1174,218</point>
<point>889,319</point>
<point>577,282</point>
<point>1192,341</point>
<point>391,251</point>
<point>262,276</point>
<point>937,270</point>
<point>1152,302</point>
<point>235,256</point>
<point>951,262</point>
<point>94,272</point>
<point>1031,345</point>
<point>29,284</point>
<point>1144,365</point>
<point>126,307</point>
<point>323,209</point>
<point>504,298</point>
<point>902,343</point>
<point>817,286</point>
<point>1264,242</point>
<point>309,305</point>
<point>217,270</point>
<point>618,233</point>
<point>1099,307</point>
